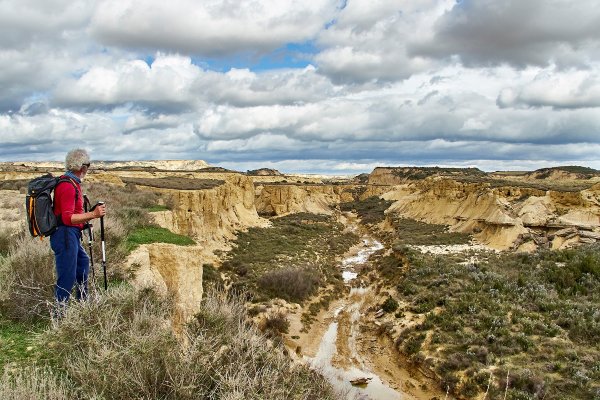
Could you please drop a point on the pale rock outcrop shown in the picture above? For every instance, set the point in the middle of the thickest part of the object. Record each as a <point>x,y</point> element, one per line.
<point>536,211</point>
<point>499,217</point>
<point>175,271</point>
<point>580,218</point>
<point>211,217</point>
<point>171,165</point>
<point>286,199</point>
<point>212,214</point>
<point>384,176</point>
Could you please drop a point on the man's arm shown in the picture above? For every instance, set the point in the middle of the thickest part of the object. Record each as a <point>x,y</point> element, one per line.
<point>98,212</point>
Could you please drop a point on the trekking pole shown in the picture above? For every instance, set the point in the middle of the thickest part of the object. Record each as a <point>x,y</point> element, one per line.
<point>90,229</point>
<point>103,248</point>
<point>103,245</point>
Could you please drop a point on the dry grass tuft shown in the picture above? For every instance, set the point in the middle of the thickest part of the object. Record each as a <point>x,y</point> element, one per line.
<point>33,383</point>
<point>26,279</point>
<point>120,345</point>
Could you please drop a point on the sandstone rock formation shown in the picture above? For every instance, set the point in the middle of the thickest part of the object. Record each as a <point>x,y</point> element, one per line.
<point>399,175</point>
<point>173,270</point>
<point>211,217</point>
<point>284,199</point>
<point>564,173</point>
<point>213,214</point>
<point>502,218</point>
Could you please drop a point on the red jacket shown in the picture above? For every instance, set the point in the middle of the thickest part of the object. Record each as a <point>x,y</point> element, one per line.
<point>65,203</point>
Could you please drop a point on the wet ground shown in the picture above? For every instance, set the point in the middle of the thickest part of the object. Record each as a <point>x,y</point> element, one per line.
<point>343,344</point>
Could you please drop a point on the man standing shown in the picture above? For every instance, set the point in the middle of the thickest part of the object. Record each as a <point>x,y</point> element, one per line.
<point>72,262</point>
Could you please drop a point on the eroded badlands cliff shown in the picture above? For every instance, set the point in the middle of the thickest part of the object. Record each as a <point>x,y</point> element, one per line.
<point>502,215</point>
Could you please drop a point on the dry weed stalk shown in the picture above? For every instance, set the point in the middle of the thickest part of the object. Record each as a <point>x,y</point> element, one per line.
<point>33,383</point>
<point>487,390</point>
<point>506,388</point>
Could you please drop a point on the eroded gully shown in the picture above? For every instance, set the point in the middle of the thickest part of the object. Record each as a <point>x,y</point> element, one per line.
<point>343,345</point>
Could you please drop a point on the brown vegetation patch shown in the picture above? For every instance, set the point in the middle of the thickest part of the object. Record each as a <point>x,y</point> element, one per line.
<point>14,184</point>
<point>290,259</point>
<point>175,183</point>
<point>558,186</point>
<point>412,232</point>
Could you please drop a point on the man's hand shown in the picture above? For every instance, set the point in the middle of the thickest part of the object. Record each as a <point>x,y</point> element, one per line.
<point>99,210</point>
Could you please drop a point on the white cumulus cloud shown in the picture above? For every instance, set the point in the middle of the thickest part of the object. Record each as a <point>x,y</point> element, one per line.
<point>209,27</point>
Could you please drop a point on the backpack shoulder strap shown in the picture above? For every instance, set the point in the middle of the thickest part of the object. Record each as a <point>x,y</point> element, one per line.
<point>71,181</point>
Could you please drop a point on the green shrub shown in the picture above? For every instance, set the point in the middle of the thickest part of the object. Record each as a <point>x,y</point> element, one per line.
<point>533,311</point>
<point>291,284</point>
<point>211,277</point>
<point>389,305</point>
<point>412,345</point>
<point>370,210</point>
<point>275,324</point>
<point>301,241</point>
<point>413,232</point>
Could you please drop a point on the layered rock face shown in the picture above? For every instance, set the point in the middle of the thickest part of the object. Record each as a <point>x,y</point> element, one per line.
<point>212,214</point>
<point>503,218</point>
<point>389,176</point>
<point>286,199</point>
<point>173,270</point>
<point>211,217</point>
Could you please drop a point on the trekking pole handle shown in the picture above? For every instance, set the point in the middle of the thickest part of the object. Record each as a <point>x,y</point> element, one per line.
<point>100,203</point>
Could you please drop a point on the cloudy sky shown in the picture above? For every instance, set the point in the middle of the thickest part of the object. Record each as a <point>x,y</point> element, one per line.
<point>303,86</point>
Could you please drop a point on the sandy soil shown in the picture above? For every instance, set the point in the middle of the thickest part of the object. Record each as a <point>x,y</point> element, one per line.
<point>12,210</point>
<point>383,359</point>
<point>373,351</point>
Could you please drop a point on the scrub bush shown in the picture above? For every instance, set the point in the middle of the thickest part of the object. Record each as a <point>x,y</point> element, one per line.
<point>26,279</point>
<point>291,284</point>
<point>121,345</point>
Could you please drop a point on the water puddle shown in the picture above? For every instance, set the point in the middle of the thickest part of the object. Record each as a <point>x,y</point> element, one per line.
<point>369,246</point>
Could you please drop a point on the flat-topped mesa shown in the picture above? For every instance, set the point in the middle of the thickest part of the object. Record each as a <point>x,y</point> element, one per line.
<point>399,175</point>
<point>264,172</point>
<point>571,172</point>
<point>167,165</point>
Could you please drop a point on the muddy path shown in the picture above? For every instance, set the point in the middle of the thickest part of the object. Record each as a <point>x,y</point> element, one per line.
<point>346,341</point>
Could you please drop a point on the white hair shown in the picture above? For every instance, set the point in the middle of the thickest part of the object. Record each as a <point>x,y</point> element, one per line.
<point>75,160</point>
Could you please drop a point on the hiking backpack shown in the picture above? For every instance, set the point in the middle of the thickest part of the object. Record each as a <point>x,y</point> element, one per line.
<point>38,202</point>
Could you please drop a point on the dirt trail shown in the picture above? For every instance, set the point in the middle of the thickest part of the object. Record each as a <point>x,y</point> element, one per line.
<point>345,343</point>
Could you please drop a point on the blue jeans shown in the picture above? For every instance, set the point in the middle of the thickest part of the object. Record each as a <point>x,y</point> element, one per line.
<point>72,263</point>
